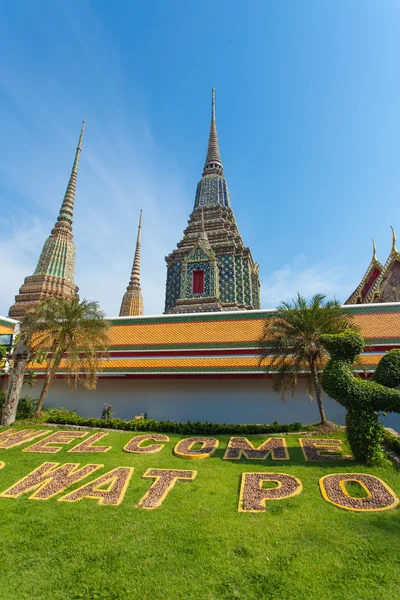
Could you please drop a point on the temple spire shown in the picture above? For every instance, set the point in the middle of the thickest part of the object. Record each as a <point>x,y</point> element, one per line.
<point>135,275</point>
<point>66,214</point>
<point>132,302</point>
<point>394,249</point>
<point>213,164</point>
<point>55,270</point>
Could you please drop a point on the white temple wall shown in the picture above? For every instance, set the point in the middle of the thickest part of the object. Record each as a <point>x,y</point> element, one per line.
<point>217,400</point>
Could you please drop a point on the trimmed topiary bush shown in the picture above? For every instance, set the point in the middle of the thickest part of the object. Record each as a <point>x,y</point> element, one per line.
<point>362,399</point>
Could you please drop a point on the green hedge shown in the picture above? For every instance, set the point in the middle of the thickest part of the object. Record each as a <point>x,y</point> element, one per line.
<point>64,417</point>
<point>392,442</point>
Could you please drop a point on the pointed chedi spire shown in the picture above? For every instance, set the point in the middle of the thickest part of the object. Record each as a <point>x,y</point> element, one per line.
<point>211,269</point>
<point>132,302</point>
<point>213,164</point>
<point>54,273</point>
<point>67,208</point>
<point>212,189</point>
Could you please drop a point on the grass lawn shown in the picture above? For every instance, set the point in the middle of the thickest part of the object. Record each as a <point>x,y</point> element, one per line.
<point>197,544</point>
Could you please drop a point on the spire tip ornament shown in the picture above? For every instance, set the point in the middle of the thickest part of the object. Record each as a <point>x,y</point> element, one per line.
<point>374,258</point>
<point>213,164</point>
<point>394,249</point>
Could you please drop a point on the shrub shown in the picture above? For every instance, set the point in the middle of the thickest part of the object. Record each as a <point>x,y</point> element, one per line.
<point>392,442</point>
<point>107,412</point>
<point>26,407</point>
<point>362,399</point>
<point>65,417</point>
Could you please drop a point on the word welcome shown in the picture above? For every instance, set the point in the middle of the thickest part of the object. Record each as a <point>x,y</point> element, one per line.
<point>194,448</point>
<point>51,479</point>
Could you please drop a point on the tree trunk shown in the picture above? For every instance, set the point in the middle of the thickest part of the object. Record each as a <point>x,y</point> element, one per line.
<point>20,360</point>
<point>49,378</point>
<point>317,390</point>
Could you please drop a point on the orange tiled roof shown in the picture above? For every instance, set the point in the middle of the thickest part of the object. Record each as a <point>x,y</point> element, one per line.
<point>221,343</point>
<point>378,324</point>
<point>6,325</point>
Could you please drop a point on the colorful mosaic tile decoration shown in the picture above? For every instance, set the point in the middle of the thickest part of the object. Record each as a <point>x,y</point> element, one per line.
<point>54,274</point>
<point>212,244</point>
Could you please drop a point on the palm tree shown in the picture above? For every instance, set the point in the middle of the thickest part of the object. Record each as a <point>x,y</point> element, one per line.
<point>53,328</point>
<point>78,329</point>
<point>21,355</point>
<point>290,345</point>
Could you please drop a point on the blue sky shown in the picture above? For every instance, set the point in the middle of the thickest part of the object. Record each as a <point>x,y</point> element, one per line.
<point>308,115</point>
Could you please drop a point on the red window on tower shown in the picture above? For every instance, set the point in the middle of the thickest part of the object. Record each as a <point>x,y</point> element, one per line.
<point>198,281</point>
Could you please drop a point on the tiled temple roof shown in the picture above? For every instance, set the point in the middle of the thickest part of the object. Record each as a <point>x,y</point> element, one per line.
<point>222,344</point>
<point>7,325</point>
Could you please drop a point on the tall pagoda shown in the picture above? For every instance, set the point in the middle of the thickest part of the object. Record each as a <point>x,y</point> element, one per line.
<point>54,273</point>
<point>132,302</point>
<point>381,283</point>
<point>211,269</point>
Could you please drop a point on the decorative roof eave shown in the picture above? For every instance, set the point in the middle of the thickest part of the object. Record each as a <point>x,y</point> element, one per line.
<point>356,296</point>
<point>230,364</point>
<point>6,322</point>
<point>394,256</point>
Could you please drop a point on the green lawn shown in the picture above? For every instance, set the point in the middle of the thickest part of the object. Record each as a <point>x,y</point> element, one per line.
<point>196,545</point>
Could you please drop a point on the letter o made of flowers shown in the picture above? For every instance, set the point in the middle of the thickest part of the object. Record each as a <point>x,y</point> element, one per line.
<point>379,495</point>
<point>184,448</point>
<point>253,496</point>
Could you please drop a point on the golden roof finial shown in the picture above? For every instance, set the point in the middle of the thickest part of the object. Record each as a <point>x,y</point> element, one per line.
<point>394,249</point>
<point>374,259</point>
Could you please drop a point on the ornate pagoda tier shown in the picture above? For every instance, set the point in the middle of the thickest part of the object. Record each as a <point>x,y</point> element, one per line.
<point>54,274</point>
<point>132,302</point>
<point>211,269</point>
<point>380,283</point>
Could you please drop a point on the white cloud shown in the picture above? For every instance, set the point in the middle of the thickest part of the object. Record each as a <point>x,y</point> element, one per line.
<point>305,278</point>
